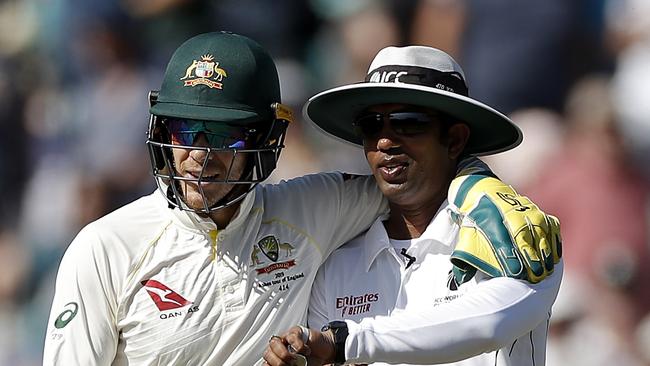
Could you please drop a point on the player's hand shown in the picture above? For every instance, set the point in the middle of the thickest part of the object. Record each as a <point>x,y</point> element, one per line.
<point>501,232</point>
<point>284,350</point>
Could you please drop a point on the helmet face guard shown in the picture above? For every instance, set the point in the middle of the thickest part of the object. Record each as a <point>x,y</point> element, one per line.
<point>260,144</point>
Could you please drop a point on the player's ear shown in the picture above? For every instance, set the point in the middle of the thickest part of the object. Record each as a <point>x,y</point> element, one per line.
<point>457,137</point>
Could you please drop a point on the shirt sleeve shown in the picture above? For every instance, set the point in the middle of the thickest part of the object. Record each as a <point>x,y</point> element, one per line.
<point>488,317</point>
<point>360,203</point>
<point>332,208</point>
<point>82,328</point>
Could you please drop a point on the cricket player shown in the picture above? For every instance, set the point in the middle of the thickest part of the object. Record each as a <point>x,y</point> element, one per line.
<point>208,267</point>
<point>440,291</point>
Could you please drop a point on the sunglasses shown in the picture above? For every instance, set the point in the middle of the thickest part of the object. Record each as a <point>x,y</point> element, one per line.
<point>219,135</point>
<point>402,123</point>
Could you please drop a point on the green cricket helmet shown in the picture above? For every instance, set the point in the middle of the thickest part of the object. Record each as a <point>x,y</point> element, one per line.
<point>225,87</point>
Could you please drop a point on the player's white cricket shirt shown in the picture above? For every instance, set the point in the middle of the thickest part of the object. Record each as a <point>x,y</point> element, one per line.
<point>148,285</point>
<point>501,320</point>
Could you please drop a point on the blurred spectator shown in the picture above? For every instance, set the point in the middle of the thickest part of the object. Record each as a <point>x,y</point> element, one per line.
<point>18,28</point>
<point>539,48</point>
<point>439,23</point>
<point>110,117</point>
<point>14,261</point>
<point>162,25</point>
<point>603,204</point>
<point>14,167</point>
<point>353,34</point>
<point>629,26</point>
<point>284,27</point>
<point>342,50</point>
<point>643,338</point>
<point>543,132</point>
<point>297,157</point>
<point>577,338</point>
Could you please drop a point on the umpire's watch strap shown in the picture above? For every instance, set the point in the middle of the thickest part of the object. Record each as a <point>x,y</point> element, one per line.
<point>340,331</point>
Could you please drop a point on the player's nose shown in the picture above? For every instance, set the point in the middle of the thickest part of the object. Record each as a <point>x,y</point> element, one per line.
<point>200,155</point>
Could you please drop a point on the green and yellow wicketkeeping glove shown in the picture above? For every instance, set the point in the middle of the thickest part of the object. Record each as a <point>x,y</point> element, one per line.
<point>501,232</point>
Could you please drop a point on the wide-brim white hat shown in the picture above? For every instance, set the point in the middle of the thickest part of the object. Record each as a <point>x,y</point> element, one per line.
<point>419,76</point>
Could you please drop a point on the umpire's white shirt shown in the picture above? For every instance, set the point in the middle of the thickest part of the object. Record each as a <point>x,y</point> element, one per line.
<point>499,321</point>
<point>147,285</point>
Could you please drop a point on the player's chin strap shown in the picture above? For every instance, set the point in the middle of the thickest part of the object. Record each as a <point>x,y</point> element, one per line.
<point>236,194</point>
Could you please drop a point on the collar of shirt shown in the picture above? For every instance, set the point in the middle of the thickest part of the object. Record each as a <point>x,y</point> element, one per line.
<point>442,229</point>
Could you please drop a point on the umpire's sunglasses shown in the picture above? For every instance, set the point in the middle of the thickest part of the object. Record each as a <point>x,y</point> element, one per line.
<point>369,125</point>
<point>218,134</point>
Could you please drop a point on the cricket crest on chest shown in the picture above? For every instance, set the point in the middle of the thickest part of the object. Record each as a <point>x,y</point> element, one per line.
<point>276,263</point>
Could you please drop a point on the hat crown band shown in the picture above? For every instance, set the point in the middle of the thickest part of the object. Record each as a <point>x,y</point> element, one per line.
<point>451,81</point>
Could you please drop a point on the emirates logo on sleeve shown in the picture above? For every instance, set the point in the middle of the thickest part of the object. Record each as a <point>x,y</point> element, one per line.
<point>164,297</point>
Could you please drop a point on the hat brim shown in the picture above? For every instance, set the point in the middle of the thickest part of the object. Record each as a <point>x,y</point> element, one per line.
<point>236,114</point>
<point>335,109</point>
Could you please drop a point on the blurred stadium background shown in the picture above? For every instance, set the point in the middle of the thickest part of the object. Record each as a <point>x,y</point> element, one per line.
<point>573,74</point>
